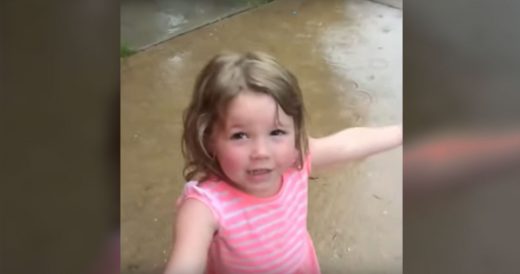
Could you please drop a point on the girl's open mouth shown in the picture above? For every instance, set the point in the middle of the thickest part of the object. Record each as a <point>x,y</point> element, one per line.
<point>257,172</point>
<point>259,175</point>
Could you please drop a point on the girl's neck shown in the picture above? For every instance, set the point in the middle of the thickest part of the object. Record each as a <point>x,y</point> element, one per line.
<point>262,194</point>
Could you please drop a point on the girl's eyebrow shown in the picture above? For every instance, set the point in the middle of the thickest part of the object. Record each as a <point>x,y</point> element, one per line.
<point>235,125</point>
<point>279,123</point>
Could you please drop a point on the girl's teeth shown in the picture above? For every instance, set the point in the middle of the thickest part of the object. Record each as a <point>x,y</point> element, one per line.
<point>258,171</point>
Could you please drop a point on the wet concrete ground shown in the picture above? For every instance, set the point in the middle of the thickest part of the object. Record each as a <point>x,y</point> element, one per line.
<point>348,58</point>
<point>145,23</point>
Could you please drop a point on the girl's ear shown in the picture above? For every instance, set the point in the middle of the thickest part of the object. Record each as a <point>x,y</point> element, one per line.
<point>211,146</point>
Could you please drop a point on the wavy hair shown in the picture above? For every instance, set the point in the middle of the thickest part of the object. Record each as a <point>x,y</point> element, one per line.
<point>222,79</point>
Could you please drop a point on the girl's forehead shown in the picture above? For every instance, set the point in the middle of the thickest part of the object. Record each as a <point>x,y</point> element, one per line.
<point>250,108</point>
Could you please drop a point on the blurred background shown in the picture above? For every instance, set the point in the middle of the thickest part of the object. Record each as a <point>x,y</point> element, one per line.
<point>462,147</point>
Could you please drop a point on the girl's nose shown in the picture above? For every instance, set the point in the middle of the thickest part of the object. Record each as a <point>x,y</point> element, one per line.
<point>259,150</point>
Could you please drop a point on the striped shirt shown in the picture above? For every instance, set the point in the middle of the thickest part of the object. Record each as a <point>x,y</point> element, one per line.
<point>258,235</point>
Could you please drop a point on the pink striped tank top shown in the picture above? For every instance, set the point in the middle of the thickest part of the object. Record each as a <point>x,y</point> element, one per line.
<point>258,235</point>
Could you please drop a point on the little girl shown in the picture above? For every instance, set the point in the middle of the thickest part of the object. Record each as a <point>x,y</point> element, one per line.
<point>248,158</point>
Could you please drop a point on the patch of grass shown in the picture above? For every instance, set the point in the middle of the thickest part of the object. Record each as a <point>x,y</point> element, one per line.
<point>259,2</point>
<point>254,3</point>
<point>125,51</point>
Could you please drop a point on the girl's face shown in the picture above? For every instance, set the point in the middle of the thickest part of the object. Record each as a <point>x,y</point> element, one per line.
<point>255,143</point>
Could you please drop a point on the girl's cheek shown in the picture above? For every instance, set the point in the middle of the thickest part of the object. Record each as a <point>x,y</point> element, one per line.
<point>289,152</point>
<point>236,153</point>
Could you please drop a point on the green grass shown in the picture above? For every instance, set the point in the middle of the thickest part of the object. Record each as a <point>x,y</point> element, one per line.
<point>125,51</point>
<point>254,3</point>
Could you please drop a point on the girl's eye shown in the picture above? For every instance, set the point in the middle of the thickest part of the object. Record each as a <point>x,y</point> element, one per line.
<point>238,136</point>
<point>277,132</point>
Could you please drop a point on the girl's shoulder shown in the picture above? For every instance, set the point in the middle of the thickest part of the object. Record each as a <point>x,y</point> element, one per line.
<point>209,192</point>
<point>208,187</point>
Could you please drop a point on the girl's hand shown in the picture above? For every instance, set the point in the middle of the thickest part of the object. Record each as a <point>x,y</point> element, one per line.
<point>353,144</point>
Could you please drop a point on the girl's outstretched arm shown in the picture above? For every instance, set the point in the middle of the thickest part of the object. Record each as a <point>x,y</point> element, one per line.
<point>195,226</point>
<point>353,144</point>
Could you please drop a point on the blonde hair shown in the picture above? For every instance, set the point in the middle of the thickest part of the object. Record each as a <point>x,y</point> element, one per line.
<point>223,78</point>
